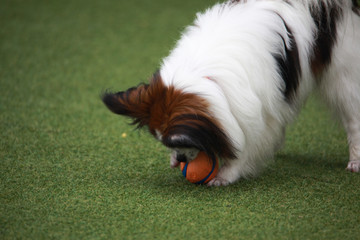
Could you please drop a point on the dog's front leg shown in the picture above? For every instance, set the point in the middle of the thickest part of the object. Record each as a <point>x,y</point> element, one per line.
<point>229,173</point>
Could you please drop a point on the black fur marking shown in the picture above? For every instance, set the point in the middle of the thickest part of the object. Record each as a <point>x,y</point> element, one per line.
<point>289,65</point>
<point>201,133</point>
<point>121,103</point>
<point>325,18</point>
<point>111,101</point>
<point>355,7</point>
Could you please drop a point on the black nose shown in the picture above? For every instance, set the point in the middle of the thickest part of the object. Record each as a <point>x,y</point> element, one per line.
<point>181,158</point>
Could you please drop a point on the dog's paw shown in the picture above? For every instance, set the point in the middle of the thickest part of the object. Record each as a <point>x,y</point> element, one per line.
<point>173,162</point>
<point>217,181</point>
<point>353,166</point>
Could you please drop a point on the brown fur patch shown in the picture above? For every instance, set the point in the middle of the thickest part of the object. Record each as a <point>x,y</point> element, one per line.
<point>169,103</point>
<point>171,112</point>
<point>155,104</point>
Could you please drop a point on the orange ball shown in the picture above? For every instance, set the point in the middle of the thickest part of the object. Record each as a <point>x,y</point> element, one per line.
<point>200,170</point>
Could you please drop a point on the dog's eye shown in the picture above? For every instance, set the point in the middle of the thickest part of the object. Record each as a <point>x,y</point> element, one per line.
<point>179,141</point>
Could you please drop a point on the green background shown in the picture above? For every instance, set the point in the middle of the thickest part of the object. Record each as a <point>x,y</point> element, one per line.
<point>67,173</point>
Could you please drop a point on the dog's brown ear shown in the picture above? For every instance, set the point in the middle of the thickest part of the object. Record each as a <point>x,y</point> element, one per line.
<point>134,103</point>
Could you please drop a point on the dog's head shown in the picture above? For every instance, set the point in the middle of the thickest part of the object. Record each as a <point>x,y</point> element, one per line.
<point>181,121</point>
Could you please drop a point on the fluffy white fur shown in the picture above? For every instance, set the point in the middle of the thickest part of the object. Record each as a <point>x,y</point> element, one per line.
<point>227,57</point>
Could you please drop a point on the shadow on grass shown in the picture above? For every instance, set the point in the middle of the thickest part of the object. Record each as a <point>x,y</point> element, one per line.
<point>288,171</point>
<point>310,162</point>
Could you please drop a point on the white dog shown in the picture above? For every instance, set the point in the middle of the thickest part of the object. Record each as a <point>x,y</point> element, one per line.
<point>241,73</point>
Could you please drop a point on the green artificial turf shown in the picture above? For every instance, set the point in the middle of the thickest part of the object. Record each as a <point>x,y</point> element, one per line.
<point>67,173</point>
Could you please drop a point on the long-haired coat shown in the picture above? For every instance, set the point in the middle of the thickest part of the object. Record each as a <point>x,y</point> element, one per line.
<point>240,74</point>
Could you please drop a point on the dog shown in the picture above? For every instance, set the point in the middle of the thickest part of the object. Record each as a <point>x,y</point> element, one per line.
<point>241,73</point>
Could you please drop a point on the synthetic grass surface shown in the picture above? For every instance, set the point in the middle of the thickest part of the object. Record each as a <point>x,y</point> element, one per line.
<point>66,171</point>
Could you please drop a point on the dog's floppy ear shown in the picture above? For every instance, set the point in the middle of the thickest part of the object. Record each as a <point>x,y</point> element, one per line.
<point>200,132</point>
<point>134,103</point>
